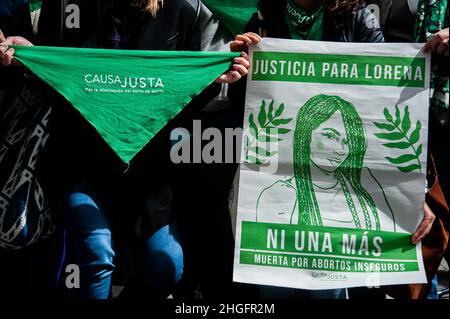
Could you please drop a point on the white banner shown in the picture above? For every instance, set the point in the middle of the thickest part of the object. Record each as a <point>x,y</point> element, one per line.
<point>332,180</point>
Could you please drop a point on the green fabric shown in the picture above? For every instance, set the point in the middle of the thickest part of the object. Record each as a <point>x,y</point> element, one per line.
<point>128,96</point>
<point>35,5</point>
<point>431,18</point>
<point>304,25</point>
<point>234,14</point>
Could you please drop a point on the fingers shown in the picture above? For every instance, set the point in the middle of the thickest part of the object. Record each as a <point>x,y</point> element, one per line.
<point>7,57</point>
<point>234,76</point>
<point>242,70</point>
<point>237,46</point>
<point>229,77</point>
<point>242,61</point>
<point>242,41</point>
<point>425,226</point>
<point>438,43</point>
<point>431,45</point>
<point>249,38</point>
<point>9,41</point>
<point>2,36</point>
<point>3,50</point>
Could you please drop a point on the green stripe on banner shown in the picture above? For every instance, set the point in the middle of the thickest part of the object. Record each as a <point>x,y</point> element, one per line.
<point>234,14</point>
<point>339,69</point>
<point>325,263</point>
<point>328,241</point>
<point>127,95</point>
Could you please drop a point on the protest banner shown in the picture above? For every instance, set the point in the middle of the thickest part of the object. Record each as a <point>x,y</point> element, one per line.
<point>333,164</point>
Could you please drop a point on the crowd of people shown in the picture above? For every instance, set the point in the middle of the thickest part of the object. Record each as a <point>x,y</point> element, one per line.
<point>155,228</point>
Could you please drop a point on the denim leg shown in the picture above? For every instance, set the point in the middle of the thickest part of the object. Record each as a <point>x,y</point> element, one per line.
<point>89,243</point>
<point>433,294</point>
<point>162,261</point>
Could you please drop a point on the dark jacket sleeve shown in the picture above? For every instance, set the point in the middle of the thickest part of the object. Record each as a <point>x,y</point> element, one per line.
<point>189,16</point>
<point>367,27</point>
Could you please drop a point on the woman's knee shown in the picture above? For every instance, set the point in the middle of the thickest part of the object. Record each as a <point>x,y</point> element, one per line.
<point>88,232</point>
<point>163,258</point>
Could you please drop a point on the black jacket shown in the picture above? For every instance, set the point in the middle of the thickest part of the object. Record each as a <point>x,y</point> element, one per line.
<point>397,19</point>
<point>175,26</point>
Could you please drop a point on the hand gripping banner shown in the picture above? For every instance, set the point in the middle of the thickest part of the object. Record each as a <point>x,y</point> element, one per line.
<point>128,96</point>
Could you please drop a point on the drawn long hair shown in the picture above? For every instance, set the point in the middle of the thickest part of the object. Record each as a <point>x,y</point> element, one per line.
<point>316,111</point>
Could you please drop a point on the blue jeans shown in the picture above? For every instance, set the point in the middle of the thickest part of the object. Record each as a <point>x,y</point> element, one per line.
<point>89,245</point>
<point>269,292</point>
<point>433,294</point>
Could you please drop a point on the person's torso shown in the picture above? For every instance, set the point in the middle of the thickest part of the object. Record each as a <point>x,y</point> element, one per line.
<point>397,18</point>
<point>358,28</point>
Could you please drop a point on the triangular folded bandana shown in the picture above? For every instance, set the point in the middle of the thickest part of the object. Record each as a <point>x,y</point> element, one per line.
<point>127,95</point>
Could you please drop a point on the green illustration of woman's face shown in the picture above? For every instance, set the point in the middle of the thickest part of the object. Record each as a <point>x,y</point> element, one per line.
<point>329,146</point>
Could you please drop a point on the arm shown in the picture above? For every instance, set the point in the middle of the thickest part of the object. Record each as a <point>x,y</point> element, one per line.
<point>207,34</point>
<point>214,36</point>
<point>425,226</point>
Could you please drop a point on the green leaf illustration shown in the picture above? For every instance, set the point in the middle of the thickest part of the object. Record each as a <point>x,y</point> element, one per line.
<point>261,151</point>
<point>395,136</point>
<point>402,159</point>
<point>254,160</point>
<point>267,130</point>
<point>280,110</point>
<point>419,150</point>
<point>262,115</point>
<point>388,115</point>
<point>385,126</point>
<point>278,122</point>
<point>270,112</point>
<point>397,116</point>
<point>406,122</point>
<point>253,127</point>
<point>276,130</point>
<point>283,131</point>
<point>268,138</point>
<point>399,145</point>
<point>410,168</point>
<point>397,130</point>
<point>415,135</point>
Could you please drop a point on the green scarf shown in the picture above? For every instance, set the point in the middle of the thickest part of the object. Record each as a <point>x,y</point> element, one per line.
<point>234,14</point>
<point>128,96</point>
<point>35,5</point>
<point>433,17</point>
<point>304,25</point>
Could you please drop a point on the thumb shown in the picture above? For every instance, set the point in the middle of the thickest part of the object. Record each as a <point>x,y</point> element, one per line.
<point>2,36</point>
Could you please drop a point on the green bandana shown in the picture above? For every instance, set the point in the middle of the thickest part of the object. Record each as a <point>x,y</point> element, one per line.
<point>234,14</point>
<point>304,25</point>
<point>35,5</point>
<point>128,96</point>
